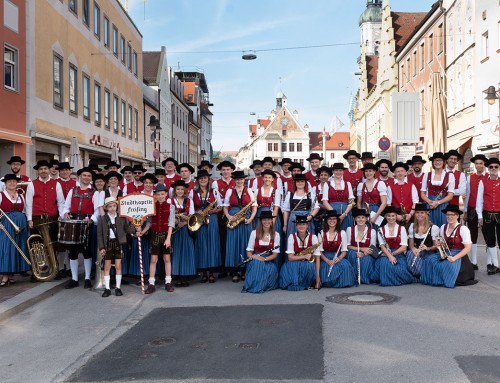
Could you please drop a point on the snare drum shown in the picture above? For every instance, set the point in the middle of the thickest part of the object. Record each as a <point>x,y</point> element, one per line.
<point>72,231</point>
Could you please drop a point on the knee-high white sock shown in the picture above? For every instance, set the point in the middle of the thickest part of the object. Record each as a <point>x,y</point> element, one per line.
<point>88,267</point>
<point>151,281</point>
<point>118,281</point>
<point>168,279</point>
<point>494,257</point>
<point>73,263</point>
<point>473,254</point>
<point>489,255</point>
<point>60,259</point>
<point>106,281</point>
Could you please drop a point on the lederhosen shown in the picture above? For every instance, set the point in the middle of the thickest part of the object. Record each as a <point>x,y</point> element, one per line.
<point>159,228</point>
<point>113,247</point>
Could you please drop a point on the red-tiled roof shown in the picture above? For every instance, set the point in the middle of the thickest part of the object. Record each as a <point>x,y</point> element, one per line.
<point>189,89</point>
<point>150,65</point>
<point>264,123</point>
<point>338,141</point>
<point>252,129</point>
<point>371,71</point>
<point>404,23</point>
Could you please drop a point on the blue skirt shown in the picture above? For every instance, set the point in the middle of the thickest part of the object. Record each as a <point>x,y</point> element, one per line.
<point>342,275</point>
<point>279,229</point>
<point>134,266</point>
<point>342,207</point>
<point>182,257</point>
<point>297,275</point>
<point>260,277</point>
<point>416,268</point>
<point>207,245</point>
<point>291,229</point>
<point>393,275</point>
<point>374,207</point>
<point>237,241</point>
<point>436,215</point>
<point>10,259</point>
<point>367,267</point>
<point>440,273</point>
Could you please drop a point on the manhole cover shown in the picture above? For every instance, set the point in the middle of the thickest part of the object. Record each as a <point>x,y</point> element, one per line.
<point>249,346</point>
<point>272,322</point>
<point>363,298</point>
<point>161,341</point>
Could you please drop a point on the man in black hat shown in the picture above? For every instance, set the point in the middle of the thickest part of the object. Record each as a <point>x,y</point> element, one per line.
<point>488,207</point>
<point>402,194</point>
<point>417,175</point>
<point>352,174</point>
<point>170,165</point>
<point>452,157</point>
<point>112,166</point>
<point>128,176</point>
<point>136,185</point>
<point>286,175</point>
<point>206,165</point>
<point>185,171</point>
<point>384,166</point>
<point>470,215</point>
<point>53,170</point>
<point>367,158</point>
<point>314,164</point>
<point>256,167</point>
<point>160,175</point>
<point>267,164</point>
<point>15,163</point>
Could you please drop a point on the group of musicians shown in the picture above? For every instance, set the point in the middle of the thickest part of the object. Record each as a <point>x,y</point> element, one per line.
<point>294,230</point>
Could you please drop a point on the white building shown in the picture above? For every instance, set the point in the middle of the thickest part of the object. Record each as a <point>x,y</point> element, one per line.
<point>180,119</point>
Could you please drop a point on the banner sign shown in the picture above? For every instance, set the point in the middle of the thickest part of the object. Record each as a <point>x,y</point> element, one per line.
<point>136,207</point>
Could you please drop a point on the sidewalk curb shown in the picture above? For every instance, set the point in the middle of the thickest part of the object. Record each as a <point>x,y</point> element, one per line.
<point>28,298</point>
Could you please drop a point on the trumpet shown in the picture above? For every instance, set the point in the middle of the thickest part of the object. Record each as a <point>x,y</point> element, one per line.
<point>17,230</point>
<point>443,248</point>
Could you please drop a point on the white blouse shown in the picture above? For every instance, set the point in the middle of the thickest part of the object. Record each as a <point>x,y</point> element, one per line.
<point>253,235</point>
<point>290,243</point>
<point>387,234</point>
<point>342,235</point>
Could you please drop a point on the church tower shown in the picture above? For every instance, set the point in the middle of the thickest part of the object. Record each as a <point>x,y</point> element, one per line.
<point>370,25</point>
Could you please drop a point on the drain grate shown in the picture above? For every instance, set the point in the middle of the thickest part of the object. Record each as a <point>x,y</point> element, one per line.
<point>363,298</point>
<point>162,341</point>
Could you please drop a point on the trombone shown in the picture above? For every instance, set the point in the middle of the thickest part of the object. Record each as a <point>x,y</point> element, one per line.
<point>17,230</point>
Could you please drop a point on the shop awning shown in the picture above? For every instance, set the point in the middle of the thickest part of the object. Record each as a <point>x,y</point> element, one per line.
<point>10,135</point>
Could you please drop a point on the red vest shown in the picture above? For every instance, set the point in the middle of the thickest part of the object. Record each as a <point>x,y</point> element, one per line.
<point>258,248</point>
<point>260,182</point>
<point>199,202</point>
<point>66,185</point>
<point>371,197</point>
<point>169,181</point>
<point>353,178</point>
<point>331,246</point>
<point>265,201</point>
<point>337,195</point>
<point>86,205</point>
<point>8,206</point>
<point>313,180</point>
<point>131,188</point>
<point>185,209</point>
<point>438,190</point>
<point>289,183</point>
<point>455,200</point>
<point>455,242</point>
<point>45,198</point>
<point>245,198</point>
<point>160,220</point>
<point>393,242</point>
<point>473,186</point>
<point>417,181</point>
<point>401,196</point>
<point>491,195</point>
<point>223,186</point>
<point>388,182</point>
<point>190,185</point>
<point>367,240</point>
<point>296,247</point>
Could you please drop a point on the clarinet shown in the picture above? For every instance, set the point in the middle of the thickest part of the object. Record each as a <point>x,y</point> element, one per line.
<point>336,255</point>
<point>423,242</point>
<point>263,254</point>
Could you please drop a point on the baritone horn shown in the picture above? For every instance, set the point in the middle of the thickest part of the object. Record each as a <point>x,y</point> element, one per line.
<point>43,259</point>
<point>198,219</point>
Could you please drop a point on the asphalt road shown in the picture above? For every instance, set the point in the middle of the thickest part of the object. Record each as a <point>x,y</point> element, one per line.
<point>429,334</point>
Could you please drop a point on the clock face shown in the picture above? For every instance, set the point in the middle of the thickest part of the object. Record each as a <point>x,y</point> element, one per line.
<point>284,121</point>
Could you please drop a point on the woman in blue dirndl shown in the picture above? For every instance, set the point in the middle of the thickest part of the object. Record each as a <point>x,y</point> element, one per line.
<point>261,271</point>
<point>13,206</point>
<point>300,201</point>
<point>183,262</point>
<point>207,243</point>
<point>422,236</point>
<point>298,273</point>
<point>332,268</point>
<point>372,193</point>
<point>452,267</point>
<point>438,188</point>
<point>391,267</point>
<point>235,200</point>
<point>361,243</point>
<point>338,195</point>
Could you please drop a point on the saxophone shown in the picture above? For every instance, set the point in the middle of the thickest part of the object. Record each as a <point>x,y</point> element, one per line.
<point>43,259</point>
<point>198,219</point>
<point>239,217</point>
<point>310,250</point>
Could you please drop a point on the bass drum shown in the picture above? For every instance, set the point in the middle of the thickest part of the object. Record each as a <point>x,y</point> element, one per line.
<point>72,231</point>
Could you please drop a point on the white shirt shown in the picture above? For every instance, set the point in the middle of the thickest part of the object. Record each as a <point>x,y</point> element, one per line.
<point>99,198</point>
<point>343,184</point>
<point>30,192</point>
<point>177,205</point>
<point>286,202</point>
<point>385,229</point>
<point>253,235</point>
<point>290,248</point>
<point>480,199</point>
<point>19,198</point>
<point>434,233</point>
<point>467,190</point>
<point>112,219</point>
<point>342,235</point>
<point>380,185</point>
<point>462,183</point>
<point>464,233</point>
<point>414,193</point>
<point>96,201</point>
<point>229,193</point>
<point>277,195</point>
<point>451,182</point>
<point>373,238</point>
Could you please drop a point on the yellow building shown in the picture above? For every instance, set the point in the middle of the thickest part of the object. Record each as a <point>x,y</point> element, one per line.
<point>84,80</point>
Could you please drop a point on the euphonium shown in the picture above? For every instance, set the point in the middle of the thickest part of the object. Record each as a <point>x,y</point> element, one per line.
<point>43,259</point>
<point>308,250</point>
<point>239,217</point>
<point>198,219</point>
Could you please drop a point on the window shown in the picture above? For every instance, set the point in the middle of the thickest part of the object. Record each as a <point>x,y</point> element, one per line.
<point>129,57</point>
<point>105,32</point>
<point>431,48</point>
<point>115,41</point>
<point>283,133</point>
<point>332,156</point>
<point>136,126</point>
<point>86,12</point>
<point>124,117</point>
<point>130,121</point>
<point>484,45</point>
<point>301,161</point>
<point>414,58</point>
<point>440,38</point>
<point>269,147</point>
<point>58,81</point>
<point>73,6</point>
<point>73,89</point>
<point>408,70</point>
<point>115,113</point>
<point>86,97</point>
<point>299,146</point>
<point>291,147</point>
<point>275,147</point>
<point>10,59</point>
<point>107,98</point>
<point>97,21</point>
<point>122,48</point>
<point>422,56</point>
<point>97,103</point>
<point>135,64</point>
<point>283,146</point>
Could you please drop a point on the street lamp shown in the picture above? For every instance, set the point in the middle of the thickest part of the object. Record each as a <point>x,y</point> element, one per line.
<point>492,96</point>
<point>154,124</point>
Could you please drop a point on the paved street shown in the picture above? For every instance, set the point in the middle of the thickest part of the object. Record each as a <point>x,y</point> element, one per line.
<point>428,335</point>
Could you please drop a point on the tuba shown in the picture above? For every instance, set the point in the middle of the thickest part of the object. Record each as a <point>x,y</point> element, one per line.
<point>198,219</point>
<point>43,259</point>
<point>239,217</point>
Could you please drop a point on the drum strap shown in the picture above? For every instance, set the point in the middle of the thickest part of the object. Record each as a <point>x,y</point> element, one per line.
<point>82,197</point>
<point>112,225</point>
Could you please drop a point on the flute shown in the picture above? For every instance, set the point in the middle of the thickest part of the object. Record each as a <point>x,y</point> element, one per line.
<point>359,267</point>
<point>336,255</point>
<point>420,247</point>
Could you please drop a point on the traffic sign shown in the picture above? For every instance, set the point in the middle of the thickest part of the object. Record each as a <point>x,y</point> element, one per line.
<point>384,143</point>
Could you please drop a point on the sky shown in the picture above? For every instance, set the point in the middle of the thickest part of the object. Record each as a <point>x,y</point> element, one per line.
<point>210,36</point>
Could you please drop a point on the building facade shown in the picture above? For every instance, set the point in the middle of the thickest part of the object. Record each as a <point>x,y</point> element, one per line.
<point>152,134</point>
<point>85,76</point>
<point>336,145</point>
<point>180,119</point>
